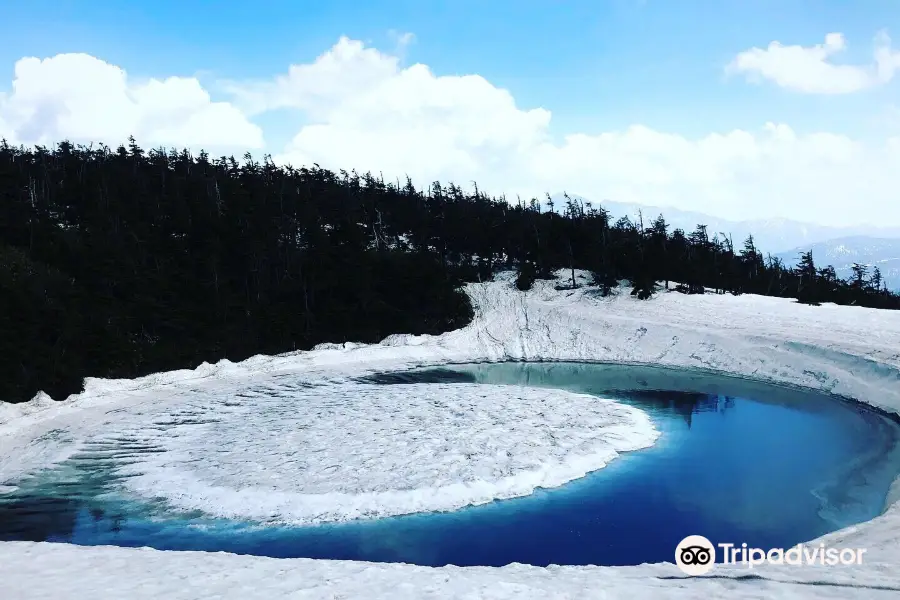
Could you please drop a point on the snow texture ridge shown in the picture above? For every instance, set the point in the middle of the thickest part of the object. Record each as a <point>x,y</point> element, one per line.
<point>850,351</point>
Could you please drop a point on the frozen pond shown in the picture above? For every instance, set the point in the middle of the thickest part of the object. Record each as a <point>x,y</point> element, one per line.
<point>737,461</point>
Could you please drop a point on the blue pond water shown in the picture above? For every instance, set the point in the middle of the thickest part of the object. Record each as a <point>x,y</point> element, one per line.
<point>738,461</point>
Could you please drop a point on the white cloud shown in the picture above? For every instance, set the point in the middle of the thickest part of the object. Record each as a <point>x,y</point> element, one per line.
<point>811,69</point>
<point>402,39</point>
<point>82,98</point>
<point>364,110</point>
<point>336,74</point>
<point>367,112</point>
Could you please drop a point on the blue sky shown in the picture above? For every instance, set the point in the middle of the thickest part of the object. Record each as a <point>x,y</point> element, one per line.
<point>597,65</point>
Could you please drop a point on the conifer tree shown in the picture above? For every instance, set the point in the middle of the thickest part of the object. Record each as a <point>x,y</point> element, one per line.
<point>807,292</point>
<point>127,261</point>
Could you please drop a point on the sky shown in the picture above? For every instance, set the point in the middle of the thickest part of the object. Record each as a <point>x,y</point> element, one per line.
<point>743,109</point>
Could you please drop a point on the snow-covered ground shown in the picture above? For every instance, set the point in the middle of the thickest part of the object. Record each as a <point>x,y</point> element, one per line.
<point>57,571</point>
<point>850,351</point>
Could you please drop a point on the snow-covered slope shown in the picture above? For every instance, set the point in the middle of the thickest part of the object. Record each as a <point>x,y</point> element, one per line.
<point>846,350</point>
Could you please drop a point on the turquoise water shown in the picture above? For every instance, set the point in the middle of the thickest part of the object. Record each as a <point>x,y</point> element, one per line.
<point>738,461</point>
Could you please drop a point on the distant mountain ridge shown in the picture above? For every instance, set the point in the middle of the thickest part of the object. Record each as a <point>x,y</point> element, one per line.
<point>842,253</point>
<point>771,235</point>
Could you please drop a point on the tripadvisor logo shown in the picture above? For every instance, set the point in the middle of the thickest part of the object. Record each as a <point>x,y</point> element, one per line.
<point>696,555</point>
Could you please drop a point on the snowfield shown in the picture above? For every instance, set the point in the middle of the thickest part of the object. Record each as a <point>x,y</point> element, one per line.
<point>849,351</point>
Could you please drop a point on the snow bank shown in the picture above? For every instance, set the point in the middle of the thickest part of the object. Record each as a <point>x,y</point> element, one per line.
<point>854,352</point>
<point>31,571</point>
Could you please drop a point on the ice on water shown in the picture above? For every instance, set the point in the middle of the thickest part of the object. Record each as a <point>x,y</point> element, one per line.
<point>281,451</point>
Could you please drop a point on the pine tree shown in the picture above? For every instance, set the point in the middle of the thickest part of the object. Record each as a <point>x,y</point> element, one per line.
<point>859,281</point>
<point>659,236</point>
<point>807,291</point>
<point>828,280</point>
<point>876,280</point>
<point>119,263</point>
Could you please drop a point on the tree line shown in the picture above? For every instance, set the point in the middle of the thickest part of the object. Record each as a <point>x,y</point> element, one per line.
<point>123,262</point>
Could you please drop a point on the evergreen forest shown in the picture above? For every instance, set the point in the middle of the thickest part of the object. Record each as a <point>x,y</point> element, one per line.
<point>124,262</point>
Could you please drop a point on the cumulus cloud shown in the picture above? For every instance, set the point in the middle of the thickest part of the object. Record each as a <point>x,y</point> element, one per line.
<point>812,70</point>
<point>82,98</point>
<point>366,111</point>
